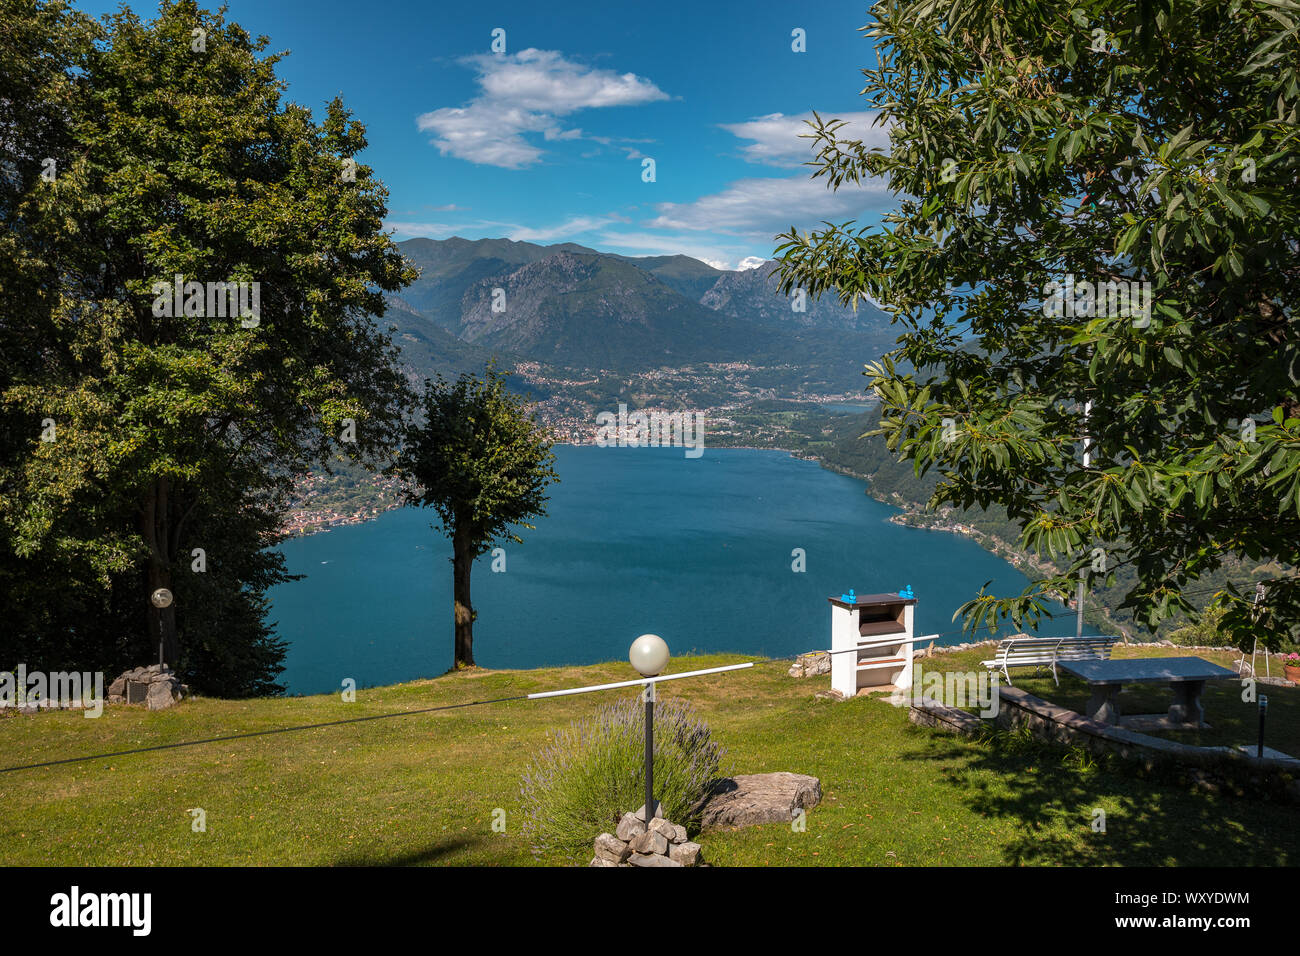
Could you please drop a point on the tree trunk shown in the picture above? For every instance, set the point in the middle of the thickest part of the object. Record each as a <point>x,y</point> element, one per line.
<point>462,561</point>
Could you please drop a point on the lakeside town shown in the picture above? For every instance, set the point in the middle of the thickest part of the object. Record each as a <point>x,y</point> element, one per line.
<point>745,415</point>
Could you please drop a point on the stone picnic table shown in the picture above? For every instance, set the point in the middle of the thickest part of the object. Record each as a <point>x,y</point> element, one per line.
<point>1186,676</point>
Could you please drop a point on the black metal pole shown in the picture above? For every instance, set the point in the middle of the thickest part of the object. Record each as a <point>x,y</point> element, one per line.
<point>1263,709</point>
<point>649,753</point>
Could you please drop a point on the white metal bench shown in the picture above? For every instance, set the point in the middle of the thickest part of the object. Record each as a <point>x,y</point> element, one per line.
<point>1042,652</point>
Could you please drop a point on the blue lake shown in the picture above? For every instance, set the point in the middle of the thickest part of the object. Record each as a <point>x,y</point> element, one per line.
<point>698,551</point>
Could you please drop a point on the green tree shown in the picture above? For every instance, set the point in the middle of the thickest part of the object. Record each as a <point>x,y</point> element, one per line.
<point>483,464</point>
<point>182,428</point>
<point>1114,142</point>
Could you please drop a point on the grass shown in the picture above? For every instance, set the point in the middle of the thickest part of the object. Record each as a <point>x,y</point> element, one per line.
<point>423,789</point>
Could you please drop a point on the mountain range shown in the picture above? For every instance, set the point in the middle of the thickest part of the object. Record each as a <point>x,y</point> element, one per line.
<point>569,306</point>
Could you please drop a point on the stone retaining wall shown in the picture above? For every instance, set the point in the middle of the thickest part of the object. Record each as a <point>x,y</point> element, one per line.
<point>1213,769</point>
<point>943,717</point>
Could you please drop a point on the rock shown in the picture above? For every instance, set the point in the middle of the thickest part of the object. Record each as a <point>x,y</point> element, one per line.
<point>688,854</point>
<point>679,834</point>
<point>160,696</point>
<point>650,842</point>
<point>640,811</point>
<point>117,688</point>
<point>750,799</point>
<point>831,694</point>
<point>651,859</point>
<point>610,847</point>
<point>811,664</point>
<point>629,826</point>
<point>597,861</point>
<point>660,825</point>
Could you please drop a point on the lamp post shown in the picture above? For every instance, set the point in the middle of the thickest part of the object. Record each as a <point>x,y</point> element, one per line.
<point>649,655</point>
<point>160,599</point>
<point>1263,711</point>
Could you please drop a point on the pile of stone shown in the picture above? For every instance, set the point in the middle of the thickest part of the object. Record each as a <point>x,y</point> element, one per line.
<point>659,844</point>
<point>811,664</point>
<point>155,686</point>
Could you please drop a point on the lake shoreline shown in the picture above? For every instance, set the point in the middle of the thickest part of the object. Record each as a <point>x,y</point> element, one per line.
<point>755,521</point>
<point>291,530</point>
<point>909,514</point>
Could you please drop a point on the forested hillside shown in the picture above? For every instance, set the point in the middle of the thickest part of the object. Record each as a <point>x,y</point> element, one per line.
<point>845,449</point>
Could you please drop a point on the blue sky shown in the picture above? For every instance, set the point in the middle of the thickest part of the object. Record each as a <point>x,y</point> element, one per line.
<point>545,142</point>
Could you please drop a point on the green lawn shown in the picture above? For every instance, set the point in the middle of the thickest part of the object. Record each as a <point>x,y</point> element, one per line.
<point>423,788</point>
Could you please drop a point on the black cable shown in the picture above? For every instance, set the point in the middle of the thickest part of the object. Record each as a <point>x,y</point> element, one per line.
<point>257,733</point>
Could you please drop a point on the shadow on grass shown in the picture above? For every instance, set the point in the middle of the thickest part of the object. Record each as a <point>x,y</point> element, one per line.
<point>1052,794</point>
<point>433,853</point>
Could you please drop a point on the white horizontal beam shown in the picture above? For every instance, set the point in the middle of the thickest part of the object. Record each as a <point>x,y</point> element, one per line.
<point>891,643</point>
<point>637,683</point>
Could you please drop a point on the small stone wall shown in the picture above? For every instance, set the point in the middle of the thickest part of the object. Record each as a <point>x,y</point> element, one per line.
<point>943,717</point>
<point>155,686</point>
<point>1213,769</point>
<point>811,664</point>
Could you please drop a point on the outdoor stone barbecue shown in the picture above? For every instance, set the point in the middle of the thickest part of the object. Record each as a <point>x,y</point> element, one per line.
<point>659,844</point>
<point>155,686</point>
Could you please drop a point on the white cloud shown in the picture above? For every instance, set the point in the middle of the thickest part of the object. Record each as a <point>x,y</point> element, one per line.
<point>523,93</point>
<point>572,227</point>
<point>749,262</point>
<point>715,251</point>
<point>545,82</point>
<point>490,228</point>
<point>471,229</point>
<point>775,138</point>
<point>765,207</point>
<point>425,230</point>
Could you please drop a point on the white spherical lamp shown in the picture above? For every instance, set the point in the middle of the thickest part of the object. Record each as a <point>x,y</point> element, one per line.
<point>649,655</point>
<point>161,598</point>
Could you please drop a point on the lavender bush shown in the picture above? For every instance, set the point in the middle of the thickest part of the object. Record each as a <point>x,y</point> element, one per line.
<point>587,776</point>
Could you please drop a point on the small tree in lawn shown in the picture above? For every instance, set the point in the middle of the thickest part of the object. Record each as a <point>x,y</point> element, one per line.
<point>482,462</point>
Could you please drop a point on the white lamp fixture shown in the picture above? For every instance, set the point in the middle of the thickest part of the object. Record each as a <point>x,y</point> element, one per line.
<point>649,655</point>
<point>161,598</point>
